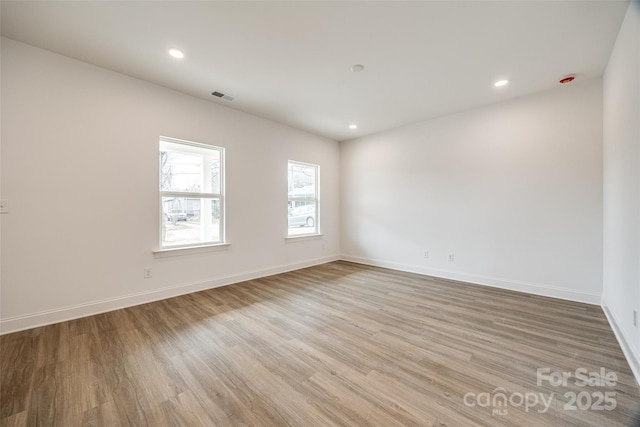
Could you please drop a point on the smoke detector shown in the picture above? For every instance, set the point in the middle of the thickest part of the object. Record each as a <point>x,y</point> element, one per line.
<point>568,79</point>
<point>222,96</point>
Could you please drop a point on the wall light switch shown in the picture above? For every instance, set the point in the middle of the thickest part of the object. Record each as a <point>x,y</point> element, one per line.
<point>4,206</point>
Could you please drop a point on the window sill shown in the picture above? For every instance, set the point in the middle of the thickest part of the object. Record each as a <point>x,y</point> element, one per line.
<point>190,250</point>
<point>303,237</point>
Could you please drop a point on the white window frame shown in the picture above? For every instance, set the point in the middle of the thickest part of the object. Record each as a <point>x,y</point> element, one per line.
<point>316,200</point>
<point>190,147</point>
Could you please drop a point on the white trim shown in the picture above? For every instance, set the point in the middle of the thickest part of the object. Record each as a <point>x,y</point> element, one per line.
<point>303,237</point>
<point>205,151</point>
<point>316,190</point>
<point>186,147</point>
<point>189,250</point>
<point>630,352</point>
<point>186,194</point>
<point>512,285</point>
<point>33,320</point>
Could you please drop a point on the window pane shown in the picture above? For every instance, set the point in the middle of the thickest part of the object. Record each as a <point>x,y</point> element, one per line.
<point>194,173</point>
<point>302,218</point>
<point>190,221</point>
<point>302,181</point>
<point>181,172</point>
<point>215,169</point>
<point>303,199</point>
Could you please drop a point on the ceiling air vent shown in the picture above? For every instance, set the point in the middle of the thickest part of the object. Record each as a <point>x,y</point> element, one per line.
<point>222,96</point>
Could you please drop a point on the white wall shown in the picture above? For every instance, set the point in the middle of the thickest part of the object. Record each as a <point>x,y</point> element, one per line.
<point>513,189</point>
<point>80,169</point>
<point>622,186</point>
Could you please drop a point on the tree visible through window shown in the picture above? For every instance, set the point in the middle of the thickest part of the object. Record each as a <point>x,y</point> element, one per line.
<point>303,201</point>
<point>191,194</point>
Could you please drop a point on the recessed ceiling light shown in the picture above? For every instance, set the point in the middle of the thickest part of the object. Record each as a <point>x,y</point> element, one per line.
<point>357,68</point>
<point>176,53</point>
<point>501,83</point>
<point>353,126</point>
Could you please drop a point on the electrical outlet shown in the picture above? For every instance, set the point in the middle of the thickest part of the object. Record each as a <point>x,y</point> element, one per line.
<point>635,318</point>
<point>426,254</point>
<point>147,273</point>
<point>451,257</point>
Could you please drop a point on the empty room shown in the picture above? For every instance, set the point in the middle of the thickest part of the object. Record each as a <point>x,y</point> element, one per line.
<point>320,213</point>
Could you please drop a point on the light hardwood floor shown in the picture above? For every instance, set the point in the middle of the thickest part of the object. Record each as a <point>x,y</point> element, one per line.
<point>338,344</point>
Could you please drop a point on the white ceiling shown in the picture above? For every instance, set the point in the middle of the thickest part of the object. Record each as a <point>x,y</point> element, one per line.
<point>291,61</point>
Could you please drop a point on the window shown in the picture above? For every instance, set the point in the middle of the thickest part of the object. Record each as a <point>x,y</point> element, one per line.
<point>191,194</point>
<point>303,198</point>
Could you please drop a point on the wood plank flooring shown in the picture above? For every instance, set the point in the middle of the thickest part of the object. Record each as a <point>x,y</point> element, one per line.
<point>339,344</point>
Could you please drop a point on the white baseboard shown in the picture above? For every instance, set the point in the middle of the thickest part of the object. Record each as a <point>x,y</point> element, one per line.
<point>33,320</point>
<point>530,288</point>
<point>18,323</point>
<point>630,352</point>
